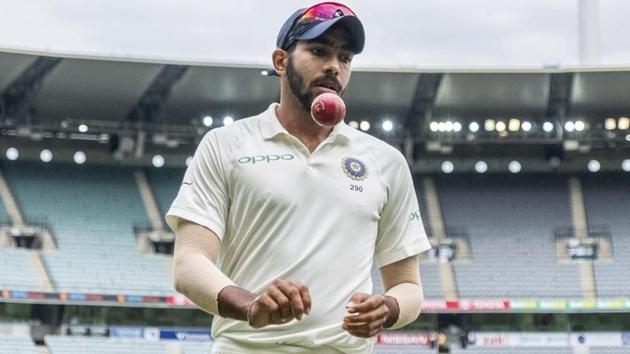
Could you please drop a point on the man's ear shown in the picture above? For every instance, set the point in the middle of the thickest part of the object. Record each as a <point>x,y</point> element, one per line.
<point>280,59</point>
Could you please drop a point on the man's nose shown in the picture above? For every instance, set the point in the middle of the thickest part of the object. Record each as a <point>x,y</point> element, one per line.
<point>332,66</point>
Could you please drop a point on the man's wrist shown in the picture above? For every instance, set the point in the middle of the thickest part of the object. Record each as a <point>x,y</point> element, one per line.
<point>394,311</point>
<point>233,302</point>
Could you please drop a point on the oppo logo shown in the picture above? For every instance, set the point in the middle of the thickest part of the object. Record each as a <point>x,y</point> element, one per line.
<point>264,158</point>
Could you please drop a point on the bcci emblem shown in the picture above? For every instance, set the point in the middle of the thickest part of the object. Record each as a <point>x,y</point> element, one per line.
<point>354,168</point>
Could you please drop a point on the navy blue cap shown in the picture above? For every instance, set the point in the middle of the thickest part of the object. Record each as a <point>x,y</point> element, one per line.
<point>292,32</point>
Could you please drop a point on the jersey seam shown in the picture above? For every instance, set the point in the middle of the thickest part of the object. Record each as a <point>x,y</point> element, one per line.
<point>175,207</point>
<point>410,244</point>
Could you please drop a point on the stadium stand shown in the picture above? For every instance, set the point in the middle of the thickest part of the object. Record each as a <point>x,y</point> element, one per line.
<point>165,184</point>
<point>92,212</point>
<point>429,271</point>
<point>608,350</point>
<point>607,203</point>
<point>16,271</point>
<point>510,222</point>
<point>498,212</point>
<point>4,215</point>
<point>420,194</point>
<point>72,345</point>
<point>196,347</point>
<point>17,344</point>
<point>512,350</point>
<point>402,349</point>
<point>430,277</point>
<point>377,283</point>
<point>95,345</point>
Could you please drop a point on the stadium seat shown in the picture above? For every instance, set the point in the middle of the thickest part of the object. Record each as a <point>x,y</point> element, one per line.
<point>402,349</point>
<point>196,347</point>
<point>17,344</point>
<point>512,350</point>
<point>165,184</point>
<point>608,350</point>
<point>96,345</point>
<point>16,271</point>
<point>92,211</point>
<point>510,222</point>
<point>4,215</point>
<point>607,204</point>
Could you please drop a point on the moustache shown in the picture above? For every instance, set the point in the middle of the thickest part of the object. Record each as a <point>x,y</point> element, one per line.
<point>329,82</point>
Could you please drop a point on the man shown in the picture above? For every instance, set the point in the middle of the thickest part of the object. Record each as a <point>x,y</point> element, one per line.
<point>299,212</point>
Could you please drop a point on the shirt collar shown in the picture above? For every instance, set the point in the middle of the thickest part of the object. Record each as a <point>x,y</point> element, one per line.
<point>270,126</point>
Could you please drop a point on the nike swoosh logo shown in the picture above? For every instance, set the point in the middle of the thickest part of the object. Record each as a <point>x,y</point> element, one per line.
<point>188,183</point>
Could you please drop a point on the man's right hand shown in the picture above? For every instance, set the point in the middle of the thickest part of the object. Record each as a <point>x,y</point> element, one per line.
<point>282,301</point>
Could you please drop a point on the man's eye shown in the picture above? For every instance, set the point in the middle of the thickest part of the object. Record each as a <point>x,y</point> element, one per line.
<point>318,51</point>
<point>346,59</point>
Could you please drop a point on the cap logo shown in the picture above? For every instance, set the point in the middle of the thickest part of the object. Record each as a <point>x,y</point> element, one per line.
<point>354,168</point>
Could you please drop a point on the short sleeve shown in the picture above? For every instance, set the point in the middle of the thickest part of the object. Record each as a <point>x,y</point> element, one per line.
<point>203,195</point>
<point>400,230</point>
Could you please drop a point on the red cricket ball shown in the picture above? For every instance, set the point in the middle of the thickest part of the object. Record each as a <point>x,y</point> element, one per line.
<point>328,109</point>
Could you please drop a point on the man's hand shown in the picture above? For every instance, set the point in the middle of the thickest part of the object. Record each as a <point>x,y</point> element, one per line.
<point>281,302</point>
<point>369,314</point>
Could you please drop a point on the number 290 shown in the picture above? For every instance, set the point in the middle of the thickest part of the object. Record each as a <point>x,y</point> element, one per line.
<point>356,188</point>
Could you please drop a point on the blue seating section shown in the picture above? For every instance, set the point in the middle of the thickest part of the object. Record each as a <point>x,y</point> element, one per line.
<point>165,184</point>
<point>402,349</point>
<point>418,183</point>
<point>609,350</point>
<point>17,344</point>
<point>92,211</point>
<point>95,345</point>
<point>196,347</point>
<point>510,221</point>
<point>513,350</point>
<point>607,202</point>
<point>16,271</point>
<point>4,215</point>
<point>429,271</point>
<point>430,277</point>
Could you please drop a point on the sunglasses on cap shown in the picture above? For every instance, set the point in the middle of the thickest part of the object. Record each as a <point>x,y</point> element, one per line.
<point>320,12</point>
<point>326,11</point>
<point>310,23</point>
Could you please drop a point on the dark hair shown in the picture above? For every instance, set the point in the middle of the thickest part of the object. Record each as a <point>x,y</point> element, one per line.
<point>292,47</point>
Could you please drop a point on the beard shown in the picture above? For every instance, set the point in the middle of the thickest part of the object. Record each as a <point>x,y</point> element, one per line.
<point>305,95</point>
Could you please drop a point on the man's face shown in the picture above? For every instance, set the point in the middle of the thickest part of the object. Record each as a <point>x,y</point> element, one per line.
<point>318,66</point>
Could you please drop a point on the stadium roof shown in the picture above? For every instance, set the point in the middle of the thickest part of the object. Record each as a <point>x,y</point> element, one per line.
<point>114,89</point>
<point>139,107</point>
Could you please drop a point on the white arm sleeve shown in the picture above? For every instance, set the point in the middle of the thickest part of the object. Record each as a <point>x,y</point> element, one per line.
<point>194,272</point>
<point>402,281</point>
<point>409,297</point>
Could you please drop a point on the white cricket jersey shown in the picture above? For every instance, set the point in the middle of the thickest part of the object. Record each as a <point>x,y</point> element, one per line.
<point>318,218</point>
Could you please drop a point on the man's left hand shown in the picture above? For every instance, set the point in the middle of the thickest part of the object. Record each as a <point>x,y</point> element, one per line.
<point>368,314</point>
